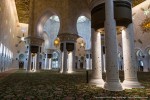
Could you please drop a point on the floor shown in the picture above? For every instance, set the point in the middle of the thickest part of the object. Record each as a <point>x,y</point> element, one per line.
<point>50,85</point>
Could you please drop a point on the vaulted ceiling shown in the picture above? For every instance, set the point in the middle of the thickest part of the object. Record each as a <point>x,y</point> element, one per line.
<point>23,9</point>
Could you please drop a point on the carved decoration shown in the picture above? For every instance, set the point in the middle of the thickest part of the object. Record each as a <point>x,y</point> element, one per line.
<point>145,25</point>
<point>68,37</point>
<point>37,41</point>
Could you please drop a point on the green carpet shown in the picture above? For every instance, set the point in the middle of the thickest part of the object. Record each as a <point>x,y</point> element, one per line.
<point>50,85</point>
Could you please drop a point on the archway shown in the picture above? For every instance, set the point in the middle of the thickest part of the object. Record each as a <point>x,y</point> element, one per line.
<point>120,61</point>
<point>139,57</point>
<point>21,61</point>
<point>48,28</point>
<point>55,60</point>
<point>84,30</point>
<point>80,53</point>
<point>147,59</point>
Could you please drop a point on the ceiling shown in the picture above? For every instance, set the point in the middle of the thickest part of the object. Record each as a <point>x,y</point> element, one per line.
<point>23,9</point>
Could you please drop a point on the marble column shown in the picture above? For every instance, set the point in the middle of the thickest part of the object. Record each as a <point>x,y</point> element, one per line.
<point>112,74</point>
<point>130,66</point>
<point>38,59</point>
<point>78,63</point>
<point>0,61</point>
<point>65,57</point>
<point>46,61</point>
<point>62,61</point>
<point>74,57</point>
<point>70,62</point>
<point>96,60</point>
<point>87,63</point>
<point>90,63</point>
<point>50,64</point>
<point>29,59</point>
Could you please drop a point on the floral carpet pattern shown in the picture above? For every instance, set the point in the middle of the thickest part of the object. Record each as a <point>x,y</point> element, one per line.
<point>51,85</point>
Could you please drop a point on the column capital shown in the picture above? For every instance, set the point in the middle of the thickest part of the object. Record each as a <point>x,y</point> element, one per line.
<point>68,37</point>
<point>49,51</point>
<point>34,40</point>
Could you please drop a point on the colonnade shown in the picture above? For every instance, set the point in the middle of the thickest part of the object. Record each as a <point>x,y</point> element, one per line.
<point>68,58</point>
<point>6,58</point>
<point>112,82</point>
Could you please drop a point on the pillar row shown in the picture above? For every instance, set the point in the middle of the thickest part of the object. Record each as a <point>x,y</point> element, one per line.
<point>33,48</point>
<point>67,47</point>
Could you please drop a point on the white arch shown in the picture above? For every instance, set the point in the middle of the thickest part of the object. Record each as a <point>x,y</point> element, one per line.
<point>84,30</point>
<point>43,18</point>
<point>48,28</point>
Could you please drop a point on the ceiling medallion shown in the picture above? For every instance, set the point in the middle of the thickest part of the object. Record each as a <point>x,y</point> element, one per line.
<point>146,25</point>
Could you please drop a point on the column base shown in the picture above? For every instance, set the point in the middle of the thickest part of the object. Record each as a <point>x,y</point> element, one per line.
<point>97,82</point>
<point>113,86</point>
<point>131,84</point>
<point>67,72</point>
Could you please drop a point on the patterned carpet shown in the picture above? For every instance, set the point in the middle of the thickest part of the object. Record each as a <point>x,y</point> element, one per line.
<point>50,85</point>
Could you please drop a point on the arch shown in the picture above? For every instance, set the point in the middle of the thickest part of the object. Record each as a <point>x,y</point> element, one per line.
<point>80,47</point>
<point>140,60</point>
<point>147,51</point>
<point>48,27</point>
<point>46,40</point>
<point>139,53</point>
<point>84,30</point>
<point>43,18</point>
<point>55,59</point>
<point>21,57</point>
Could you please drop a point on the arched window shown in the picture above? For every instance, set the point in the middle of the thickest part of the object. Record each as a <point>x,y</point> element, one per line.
<point>21,57</point>
<point>84,30</point>
<point>55,59</point>
<point>139,53</point>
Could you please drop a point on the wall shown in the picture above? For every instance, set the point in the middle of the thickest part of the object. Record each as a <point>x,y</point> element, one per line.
<point>140,13</point>
<point>9,30</point>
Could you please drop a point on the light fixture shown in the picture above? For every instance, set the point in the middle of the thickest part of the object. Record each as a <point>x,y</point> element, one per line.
<point>21,39</point>
<point>56,42</point>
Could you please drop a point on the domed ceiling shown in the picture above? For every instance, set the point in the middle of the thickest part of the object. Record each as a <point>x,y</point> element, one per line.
<point>23,8</point>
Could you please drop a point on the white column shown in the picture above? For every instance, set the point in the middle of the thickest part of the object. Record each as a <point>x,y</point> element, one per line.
<point>104,61</point>
<point>50,63</point>
<point>112,74</point>
<point>70,62</point>
<point>30,63</point>
<point>74,57</point>
<point>62,60</point>
<point>35,59</point>
<point>96,60</point>
<point>0,61</point>
<point>46,62</point>
<point>87,63</point>
<point>90,63</point>
<point>65,57</point>
<point>130,66</point>
<point>38,59</point>
<point>29,59</point>
<point>78,63</point>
